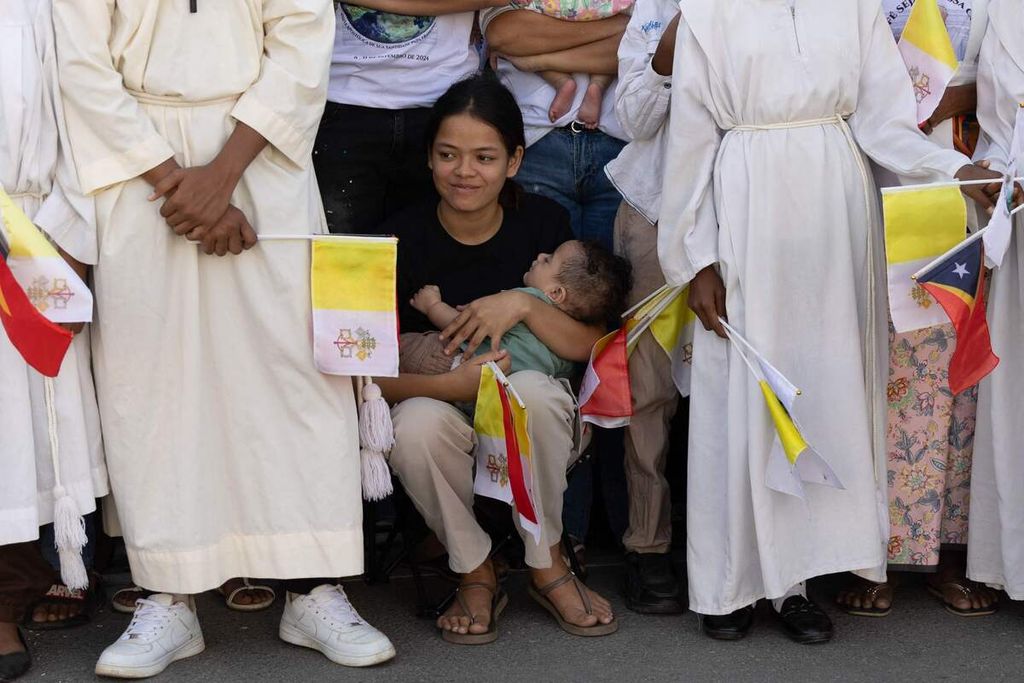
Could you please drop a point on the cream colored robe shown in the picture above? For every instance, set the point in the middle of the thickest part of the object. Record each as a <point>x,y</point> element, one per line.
<point>229,454</point>
<point>995,544</point>
<point>765,179</point>
<point>36,172</point>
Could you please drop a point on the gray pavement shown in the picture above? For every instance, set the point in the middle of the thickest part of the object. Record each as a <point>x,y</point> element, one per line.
<point>918,642</point>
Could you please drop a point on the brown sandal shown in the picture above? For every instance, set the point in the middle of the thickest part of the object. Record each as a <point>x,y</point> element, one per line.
<point>961,588</point>
<point>541,596</point>
<point>872,592</point>
<point>499,599</point>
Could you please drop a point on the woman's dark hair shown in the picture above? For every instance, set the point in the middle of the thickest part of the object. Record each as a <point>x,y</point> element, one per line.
<point>484,98</point>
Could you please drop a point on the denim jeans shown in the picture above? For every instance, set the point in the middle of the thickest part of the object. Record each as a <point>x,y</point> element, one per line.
<point>370,164</point>
<point>568,167</point>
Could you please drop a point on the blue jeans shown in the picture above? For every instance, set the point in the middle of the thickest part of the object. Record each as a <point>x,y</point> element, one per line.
<point>569,168</point>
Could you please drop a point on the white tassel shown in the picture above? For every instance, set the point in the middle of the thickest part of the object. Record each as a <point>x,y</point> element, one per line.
<point>376,475</point>
<point>376,437</point>
<point>68,525</point>
<point>376,431</point>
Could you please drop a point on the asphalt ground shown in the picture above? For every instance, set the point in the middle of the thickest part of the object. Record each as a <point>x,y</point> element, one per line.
<point>919,641</point>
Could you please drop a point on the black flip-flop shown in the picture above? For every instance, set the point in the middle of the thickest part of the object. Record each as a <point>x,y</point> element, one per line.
<point>871,592</point>
<point>87,600</point>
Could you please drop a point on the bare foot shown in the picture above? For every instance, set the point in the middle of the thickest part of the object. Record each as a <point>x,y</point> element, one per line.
<point>59,604</point>
<point>962,594</point>
<point>9,640</point>
<point>478,601</point>
<point>567,599</point>
<point>590,108</point>
<point>562,102</point>
<point>246,596</point>
<point>865,596</point>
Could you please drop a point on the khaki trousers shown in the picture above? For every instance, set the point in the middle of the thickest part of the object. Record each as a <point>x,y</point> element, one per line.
<point>655,398</point>
<point>433,458</point>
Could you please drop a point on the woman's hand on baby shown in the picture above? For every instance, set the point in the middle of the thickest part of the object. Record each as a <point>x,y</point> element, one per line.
<point>425,298</point>
<point>490,316</point>
<point>465,379</point>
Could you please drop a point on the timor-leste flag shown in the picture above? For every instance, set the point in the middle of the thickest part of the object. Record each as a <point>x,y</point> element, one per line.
<point>504,454</point>
<point>958,284</point>
<point>606,399</point>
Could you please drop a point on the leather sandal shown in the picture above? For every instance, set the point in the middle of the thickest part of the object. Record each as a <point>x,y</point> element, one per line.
<point>950,590</point>
<point>499,600</point>
<point>869,592</point>
<point>267,601</point>
<point>540,595</point>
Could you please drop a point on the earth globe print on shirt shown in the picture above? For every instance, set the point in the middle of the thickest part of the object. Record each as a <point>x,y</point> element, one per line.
<point>383,28</point>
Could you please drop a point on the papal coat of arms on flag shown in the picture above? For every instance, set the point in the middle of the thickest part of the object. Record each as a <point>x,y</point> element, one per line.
<point>929,55</point>
<point>920,225</point>
<point>355,317</point>
<point>504,454</point>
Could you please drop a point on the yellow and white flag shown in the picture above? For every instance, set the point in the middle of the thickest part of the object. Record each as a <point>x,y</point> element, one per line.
<point>666,312</point>
<point>53,287</point>
<point>921,224</point>
<point>504,454</point>
<point>792,461</point>
<point>929,55</point>
<point>353,281</point>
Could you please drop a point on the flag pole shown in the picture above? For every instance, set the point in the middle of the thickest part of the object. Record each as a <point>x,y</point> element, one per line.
<point>506,383</point>
<point>273,237</point>
<point>970,240</point>
<point>649,319</point>
<point>950,183</point>
<point>643,302</point>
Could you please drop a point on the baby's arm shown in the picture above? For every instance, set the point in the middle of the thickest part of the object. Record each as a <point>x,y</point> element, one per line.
<point>428,302</point>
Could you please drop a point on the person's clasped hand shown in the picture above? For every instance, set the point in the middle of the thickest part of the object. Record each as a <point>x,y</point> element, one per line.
<point>194,197</point>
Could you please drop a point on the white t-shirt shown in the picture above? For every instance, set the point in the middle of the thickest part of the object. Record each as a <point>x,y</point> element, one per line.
<point>391,61</point>
<point>957,14</point>
<point>534,95</point>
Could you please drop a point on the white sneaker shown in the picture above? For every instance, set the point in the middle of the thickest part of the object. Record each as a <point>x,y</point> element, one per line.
<point>161,632</point>
<point>325,620</point>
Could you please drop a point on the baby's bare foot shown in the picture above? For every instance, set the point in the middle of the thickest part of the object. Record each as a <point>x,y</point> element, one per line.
<point>590,108</point>
<point>562,102</point>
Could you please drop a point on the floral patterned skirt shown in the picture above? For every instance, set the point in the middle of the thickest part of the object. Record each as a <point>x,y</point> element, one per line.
<point>929,443</point>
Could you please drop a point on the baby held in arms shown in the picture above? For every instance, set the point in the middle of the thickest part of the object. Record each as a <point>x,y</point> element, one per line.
<point>583,279</point>
<point>563,83</point>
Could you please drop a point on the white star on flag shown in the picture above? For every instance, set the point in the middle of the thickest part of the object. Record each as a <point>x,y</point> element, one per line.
<point>961,270</point>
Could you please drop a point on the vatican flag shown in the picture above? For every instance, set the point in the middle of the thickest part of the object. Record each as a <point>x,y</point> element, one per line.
<point>921,224</point>
<point>51,284</point>
<point>792,461</point>
<point>353,281</point>
<point>929,55</point>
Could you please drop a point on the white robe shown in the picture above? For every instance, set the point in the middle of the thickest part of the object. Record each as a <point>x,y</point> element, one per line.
<point>229,454</point>
<point>766,179</point>
<point>995,544</point>
<point>36,172</point>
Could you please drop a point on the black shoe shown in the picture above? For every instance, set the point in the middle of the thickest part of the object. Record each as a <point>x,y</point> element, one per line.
<point>16,663</point>
<point>651,585</point>
<point>804,622</point>
<point>730,626</point>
